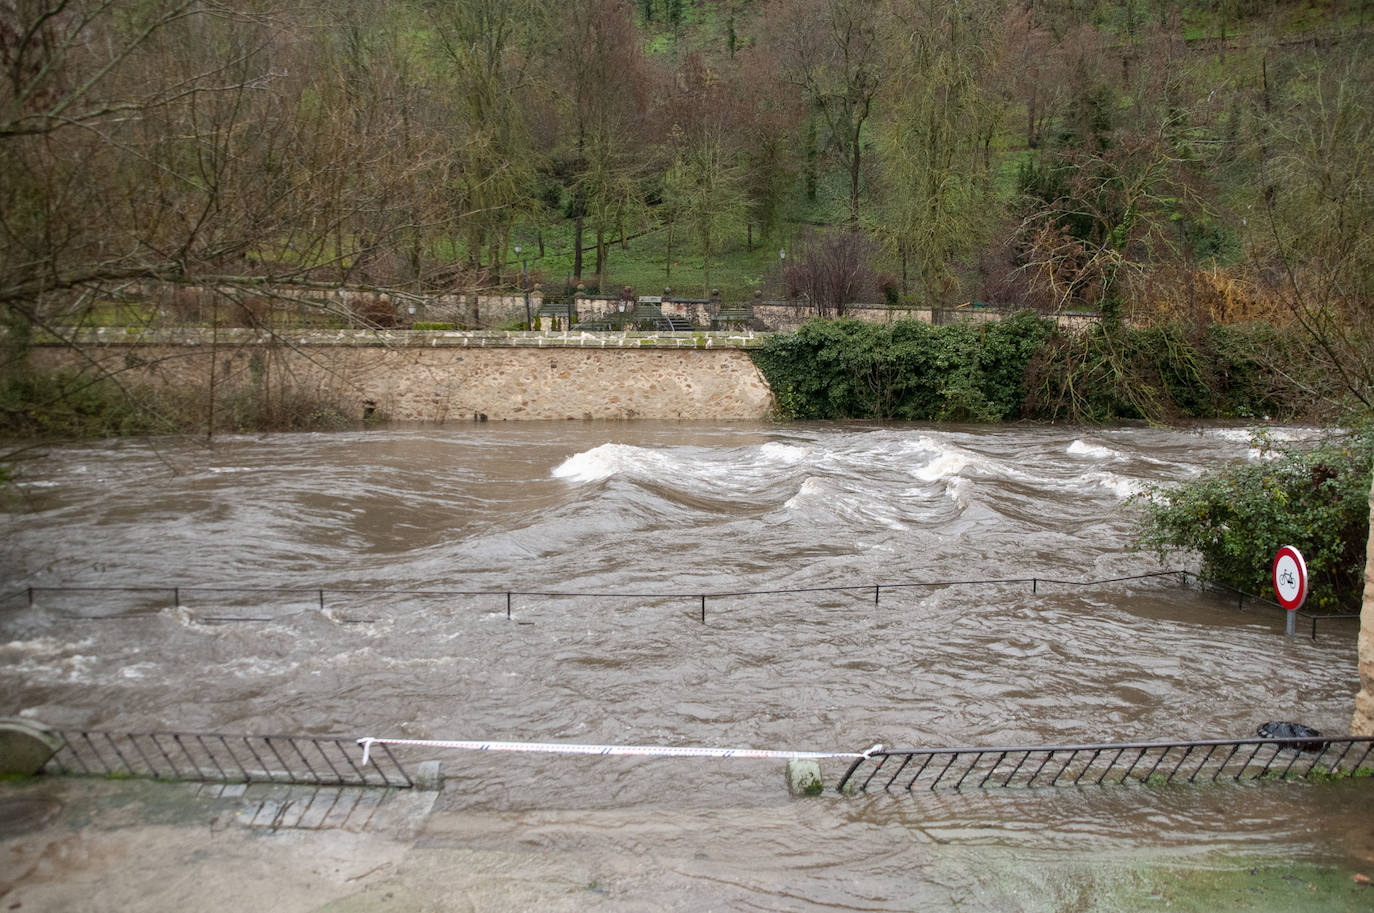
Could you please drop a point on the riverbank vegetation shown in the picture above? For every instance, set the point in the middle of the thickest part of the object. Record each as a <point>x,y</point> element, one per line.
<point>1188,172</point>
<point>1315,498</point>
<point>1024,367</point>
<point>76,406</point>
<point>1134,158</point>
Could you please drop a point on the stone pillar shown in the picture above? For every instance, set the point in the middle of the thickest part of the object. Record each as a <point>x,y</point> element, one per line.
<point>1363,723</point>
<point>804,778</point>
<point>25,746</point>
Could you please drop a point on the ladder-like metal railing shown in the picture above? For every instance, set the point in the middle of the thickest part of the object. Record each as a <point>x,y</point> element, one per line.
<point>1150,763</point>
<point>217,758</point>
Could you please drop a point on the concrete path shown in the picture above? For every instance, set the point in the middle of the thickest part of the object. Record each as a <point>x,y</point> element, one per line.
<point>126,846</point>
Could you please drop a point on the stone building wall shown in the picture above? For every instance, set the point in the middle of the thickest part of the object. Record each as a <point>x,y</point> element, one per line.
<point>445,377</point>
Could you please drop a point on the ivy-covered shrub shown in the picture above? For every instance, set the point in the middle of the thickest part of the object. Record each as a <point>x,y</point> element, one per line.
<point>907,370</point>
<point>1172,372</point>
<point>1314,498</point>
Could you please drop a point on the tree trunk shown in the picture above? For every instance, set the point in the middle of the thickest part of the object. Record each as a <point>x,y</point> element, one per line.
<point>577,245</point>
<point>856,152</point>
<point>1363,723</point>
<point>600,253</point>
<point>812,177</point>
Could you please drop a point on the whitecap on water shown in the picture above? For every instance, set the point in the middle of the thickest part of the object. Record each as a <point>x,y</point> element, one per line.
<point>785,454</point>
<point>1093,451</point>
<point>1123,488</point>
<point>811,490</point>
<point>601,462</point>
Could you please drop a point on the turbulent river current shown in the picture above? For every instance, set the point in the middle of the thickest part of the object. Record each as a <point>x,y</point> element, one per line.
<point>355,585</point>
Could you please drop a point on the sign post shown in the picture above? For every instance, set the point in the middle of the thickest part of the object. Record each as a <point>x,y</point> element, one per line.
<point>1290,583</point>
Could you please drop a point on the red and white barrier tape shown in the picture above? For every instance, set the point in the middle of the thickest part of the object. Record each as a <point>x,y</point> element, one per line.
<point>651,751</point>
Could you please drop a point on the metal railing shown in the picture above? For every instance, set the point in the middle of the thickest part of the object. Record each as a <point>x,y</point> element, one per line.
<point>173,596</point>
<point>1243,597</point>
<point>217,758</point>
<point>154,598</point>
<point>1150,763</point>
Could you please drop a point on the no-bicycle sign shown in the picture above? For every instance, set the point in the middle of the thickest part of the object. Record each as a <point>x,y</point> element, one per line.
<point>1290,578</point>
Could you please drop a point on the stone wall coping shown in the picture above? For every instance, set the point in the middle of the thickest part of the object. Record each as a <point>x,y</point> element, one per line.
<point>557,339</point>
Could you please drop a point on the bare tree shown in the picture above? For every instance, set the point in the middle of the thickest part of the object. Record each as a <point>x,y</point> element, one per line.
<point>832,51</point>
<point>832,272</point>
<point>598,74</point>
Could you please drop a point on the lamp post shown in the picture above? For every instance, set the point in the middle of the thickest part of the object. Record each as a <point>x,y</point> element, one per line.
<point>525,286</point>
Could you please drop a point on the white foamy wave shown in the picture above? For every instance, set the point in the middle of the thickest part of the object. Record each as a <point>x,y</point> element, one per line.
<point>44,645</point>
<point>1094,451</point>
<point>251,667</point>
<point>946,461</point>
<point>944,466</point>
<point>1123,488</point>
<point>811,490</point>
<point>957,491</point>
<point>1244,435</point>
<point>785,454</point>
<point>78,669</point>
<point>601,462</point>
<point>181,614</point>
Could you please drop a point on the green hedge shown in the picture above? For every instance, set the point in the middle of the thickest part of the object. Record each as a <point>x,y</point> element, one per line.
<point>1023,367</point>
<point>904,370</point>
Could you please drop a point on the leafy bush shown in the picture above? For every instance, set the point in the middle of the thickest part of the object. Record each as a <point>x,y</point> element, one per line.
<point>1237,518</point>
<point>1170,372</point>
<point>431,325</point>
<point>906,370</point>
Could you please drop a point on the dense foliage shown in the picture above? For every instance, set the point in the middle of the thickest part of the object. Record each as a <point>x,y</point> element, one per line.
<point>903,370</point>
<point>1172,372</point>
<point>1313,498</point>
<point>1023,367</point>
<point>1052,153</point>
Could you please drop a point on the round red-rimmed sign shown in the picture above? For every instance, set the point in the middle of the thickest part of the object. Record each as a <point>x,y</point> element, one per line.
<point>1290,578</point>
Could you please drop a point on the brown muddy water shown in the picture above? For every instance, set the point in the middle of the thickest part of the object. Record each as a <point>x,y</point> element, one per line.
<point>667,508</point>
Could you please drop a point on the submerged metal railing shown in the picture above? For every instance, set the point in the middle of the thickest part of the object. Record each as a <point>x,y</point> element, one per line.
<point>1243,597</point>
<point>176,596</point>
<point>216,758</point>
<point>350,605</point>
<point>1149,763</point>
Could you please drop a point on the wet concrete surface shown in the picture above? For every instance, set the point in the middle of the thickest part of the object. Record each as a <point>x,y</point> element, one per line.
<point>93,845</point>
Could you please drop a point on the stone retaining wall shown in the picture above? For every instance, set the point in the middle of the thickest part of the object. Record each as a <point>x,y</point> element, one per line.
<point>445,377</point>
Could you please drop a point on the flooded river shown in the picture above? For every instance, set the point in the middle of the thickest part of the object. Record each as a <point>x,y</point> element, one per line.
<point>653,515</point>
